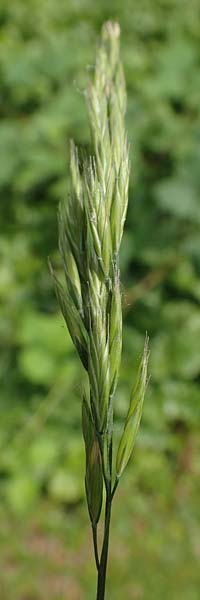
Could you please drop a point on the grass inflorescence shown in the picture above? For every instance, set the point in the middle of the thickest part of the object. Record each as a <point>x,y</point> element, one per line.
<point>91,223</point>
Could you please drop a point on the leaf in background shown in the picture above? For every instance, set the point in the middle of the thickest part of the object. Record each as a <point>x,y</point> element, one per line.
<point>37,365</point>
<point>65,486</point>
<point>175,351</point>
<point>178,198</point>
<point>22,492</point>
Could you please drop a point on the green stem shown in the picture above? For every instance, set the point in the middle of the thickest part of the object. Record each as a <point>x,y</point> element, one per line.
<point>94,533</point>
<point>101,584</point>
<point>107,475</point>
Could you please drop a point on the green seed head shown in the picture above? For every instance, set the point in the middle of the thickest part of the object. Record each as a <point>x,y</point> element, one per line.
<point>91,222</point>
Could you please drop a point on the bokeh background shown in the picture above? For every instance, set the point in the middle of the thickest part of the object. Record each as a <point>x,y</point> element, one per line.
<point>47,51</point>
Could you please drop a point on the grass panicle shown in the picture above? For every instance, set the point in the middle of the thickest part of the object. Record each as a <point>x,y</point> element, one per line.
<point>91,223</point>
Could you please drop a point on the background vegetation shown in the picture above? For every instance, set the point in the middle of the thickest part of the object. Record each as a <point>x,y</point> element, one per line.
<point>46,51</point>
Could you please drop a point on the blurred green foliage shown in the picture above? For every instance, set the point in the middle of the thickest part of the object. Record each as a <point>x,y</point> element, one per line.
<point>46,55</point>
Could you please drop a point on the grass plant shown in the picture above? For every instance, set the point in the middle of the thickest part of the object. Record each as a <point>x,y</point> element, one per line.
<point>91,223</point>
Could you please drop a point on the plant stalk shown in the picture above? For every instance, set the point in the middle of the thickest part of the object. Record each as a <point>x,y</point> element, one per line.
<point>101,583</point>
<point>91,225</point>
<point>94,533</point>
